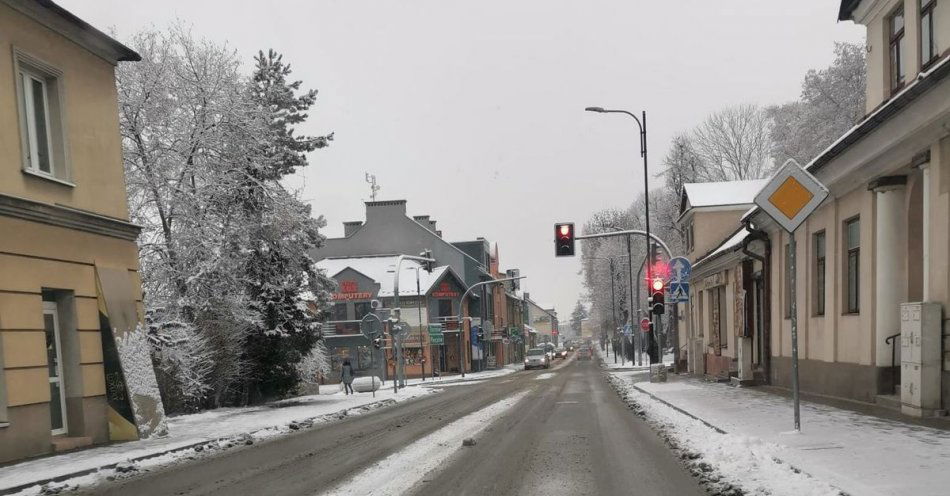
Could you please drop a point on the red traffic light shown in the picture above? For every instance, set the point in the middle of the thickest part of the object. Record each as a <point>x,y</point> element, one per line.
<point>564,240</point>
<point>657,284</point>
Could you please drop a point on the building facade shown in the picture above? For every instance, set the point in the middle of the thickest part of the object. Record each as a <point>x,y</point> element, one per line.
<point>882,238</point>
<point>69,282</point>
<point>433,298</point>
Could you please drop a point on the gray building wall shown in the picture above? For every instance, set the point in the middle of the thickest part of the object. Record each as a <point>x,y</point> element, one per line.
<point>388,230</point>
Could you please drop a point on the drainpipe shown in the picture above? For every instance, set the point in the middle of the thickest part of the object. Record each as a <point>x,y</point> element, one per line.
<point>760,235</point>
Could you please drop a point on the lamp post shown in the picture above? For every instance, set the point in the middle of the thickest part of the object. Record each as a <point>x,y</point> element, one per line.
<point>459,316</point>
<point>642,124</point>
<point>397,347</point>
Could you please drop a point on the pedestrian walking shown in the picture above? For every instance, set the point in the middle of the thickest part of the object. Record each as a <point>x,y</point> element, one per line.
<point>346,375</point>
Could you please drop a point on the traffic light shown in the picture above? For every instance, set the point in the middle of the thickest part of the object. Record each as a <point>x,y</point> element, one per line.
<point>564,240</point>
<point>428,265</point>
<point>657,297</point>
<point>378,343</point>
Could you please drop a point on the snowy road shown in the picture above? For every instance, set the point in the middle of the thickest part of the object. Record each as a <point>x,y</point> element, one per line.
<point>568,434</point>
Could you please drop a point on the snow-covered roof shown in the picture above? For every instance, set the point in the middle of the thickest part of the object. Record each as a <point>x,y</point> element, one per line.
<point>379,269</point>
<point>737,238</point>
<point>722,193</point>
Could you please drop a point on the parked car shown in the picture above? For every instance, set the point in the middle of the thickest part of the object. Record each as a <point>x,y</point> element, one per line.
<point>537,358</point>
<point>584,353</point>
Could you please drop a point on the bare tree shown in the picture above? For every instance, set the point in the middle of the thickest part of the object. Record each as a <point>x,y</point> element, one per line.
<point>832,101</point>
<point>733,144</point>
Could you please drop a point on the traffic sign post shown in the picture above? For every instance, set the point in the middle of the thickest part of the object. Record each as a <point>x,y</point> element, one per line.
<point>435,334</point>
<point>790,196</point>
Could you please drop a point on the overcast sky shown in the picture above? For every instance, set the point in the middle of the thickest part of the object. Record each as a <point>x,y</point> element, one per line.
<point>473,110</point>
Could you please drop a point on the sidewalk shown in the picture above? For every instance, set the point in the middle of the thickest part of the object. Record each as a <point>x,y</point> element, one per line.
<point>856,453</point>
<point>607,359</point>
<point>195,434</point>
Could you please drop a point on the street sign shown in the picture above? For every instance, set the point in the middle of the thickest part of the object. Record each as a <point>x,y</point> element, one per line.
<point>680,269</point>
<point>644,324</point>
<point>679,292</point>
<point>400,330</point>
<point>370,326</point>
<point>435,334</point>
<point>627,331</point>
<point>791,195</point>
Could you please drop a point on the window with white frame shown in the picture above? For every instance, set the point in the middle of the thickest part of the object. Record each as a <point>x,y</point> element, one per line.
<point>928,39</point>
<point>41,127</point>
<point>895,25</point>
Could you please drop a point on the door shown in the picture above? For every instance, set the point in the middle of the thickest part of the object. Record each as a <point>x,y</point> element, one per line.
<point>54,360</point>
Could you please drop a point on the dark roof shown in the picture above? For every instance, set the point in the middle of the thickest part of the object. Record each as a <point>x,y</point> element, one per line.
<point>847,8</point>
<point>123,53</point>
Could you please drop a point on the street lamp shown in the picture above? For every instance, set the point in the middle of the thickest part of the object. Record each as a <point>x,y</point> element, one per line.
<point>459,316</point>
<point>642,124</point>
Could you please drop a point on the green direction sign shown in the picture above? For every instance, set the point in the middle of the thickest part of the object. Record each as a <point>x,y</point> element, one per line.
<point>435,334</point>
<point>514,331</point>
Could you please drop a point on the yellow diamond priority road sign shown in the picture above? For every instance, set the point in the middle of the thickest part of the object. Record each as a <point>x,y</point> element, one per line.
<point>791,195</point>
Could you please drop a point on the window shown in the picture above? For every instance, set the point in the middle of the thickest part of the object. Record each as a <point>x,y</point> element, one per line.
<point>788,281</point>
<point>689,237</point>
<point>445,308</point>
<point>41,135</point>
<point>928,41</point>
<point>3,391</point>
<point>819,246</point>
<point>362,309</point>
<point>852,232</point>
<point>723,331</point>
<point>896,30</point>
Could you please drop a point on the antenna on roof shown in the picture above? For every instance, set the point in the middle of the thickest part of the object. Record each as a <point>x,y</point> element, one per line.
<point>373,187</point>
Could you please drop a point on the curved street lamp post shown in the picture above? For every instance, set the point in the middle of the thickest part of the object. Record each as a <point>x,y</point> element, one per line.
<point>642,124</point>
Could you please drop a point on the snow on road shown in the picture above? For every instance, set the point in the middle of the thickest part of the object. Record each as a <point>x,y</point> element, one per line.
<point>220,429</point>
<point>400,471</point>
<point>723,461</point>
<point>546,375</point>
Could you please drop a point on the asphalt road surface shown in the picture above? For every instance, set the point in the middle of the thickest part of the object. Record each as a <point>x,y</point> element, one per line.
<point>570,435</point>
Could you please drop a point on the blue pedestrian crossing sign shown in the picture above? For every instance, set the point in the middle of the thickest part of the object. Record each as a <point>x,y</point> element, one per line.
<point>680,269</point>
<point>679,292</point>
<point>678,289</point>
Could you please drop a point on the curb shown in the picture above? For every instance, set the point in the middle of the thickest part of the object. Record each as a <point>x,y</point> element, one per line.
<point>79,473</point>
<point>678,409</point>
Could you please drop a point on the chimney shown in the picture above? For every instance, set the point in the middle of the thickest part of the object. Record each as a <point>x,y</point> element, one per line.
<point>427,223</point>
<point>432,227</point>
<point>349,228</point>
<point>385,211</point>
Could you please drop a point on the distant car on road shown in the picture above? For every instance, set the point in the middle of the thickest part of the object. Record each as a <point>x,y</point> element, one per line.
<point>560,353</point>
<point>537,358</point>
<point>584,353</point>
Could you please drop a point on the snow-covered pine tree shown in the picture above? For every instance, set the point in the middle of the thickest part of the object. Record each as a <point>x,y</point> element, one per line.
<point>277,269</point>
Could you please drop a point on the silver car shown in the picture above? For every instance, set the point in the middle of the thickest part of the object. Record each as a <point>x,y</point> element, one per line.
<point>536,359</point>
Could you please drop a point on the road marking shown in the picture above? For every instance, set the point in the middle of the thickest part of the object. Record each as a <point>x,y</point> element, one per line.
<point>400,471</point>
<point>567,402</point>
<point>546,375</point>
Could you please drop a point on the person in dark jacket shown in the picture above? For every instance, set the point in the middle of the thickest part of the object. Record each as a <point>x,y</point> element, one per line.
<point>347,375</point>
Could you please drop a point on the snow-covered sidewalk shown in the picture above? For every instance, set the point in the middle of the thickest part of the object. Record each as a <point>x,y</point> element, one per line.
<point>189,434</point>
<point>609,361</point>
<point>838,449</point>
<point>469,376</point>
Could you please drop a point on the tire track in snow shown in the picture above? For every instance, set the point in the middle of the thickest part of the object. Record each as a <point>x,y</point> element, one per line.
<point>400,471</point>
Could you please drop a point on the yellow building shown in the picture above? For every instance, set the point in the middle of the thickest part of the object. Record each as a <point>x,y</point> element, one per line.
<point>65,237</point>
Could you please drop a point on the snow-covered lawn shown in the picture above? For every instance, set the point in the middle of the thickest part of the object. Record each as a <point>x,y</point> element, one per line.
<point>839,450</point>
<point>398,472</point>
<point>191,434</point>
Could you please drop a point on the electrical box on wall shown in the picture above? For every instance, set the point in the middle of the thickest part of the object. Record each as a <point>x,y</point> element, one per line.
<point>921,352</point>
